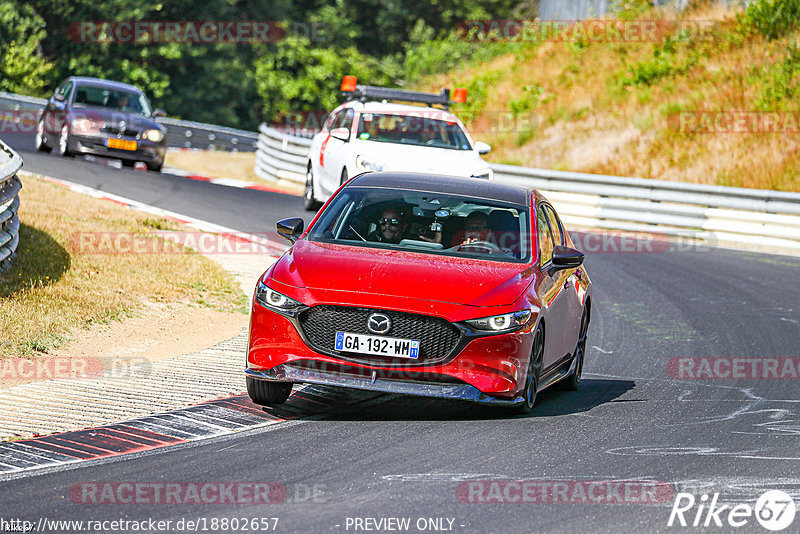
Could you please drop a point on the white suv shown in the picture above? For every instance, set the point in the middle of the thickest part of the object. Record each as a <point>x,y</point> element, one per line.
<point>363,135</point>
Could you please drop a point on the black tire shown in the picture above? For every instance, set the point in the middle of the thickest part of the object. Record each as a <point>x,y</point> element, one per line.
<point>265,393</point>
<point>532,376</point>
<point>572,382</point>
<point>63,142</point>
<point>309,203</point>
<point>344,176</point>
<point>128,163</point>
<point>39,141</point>
<point>154,166</point>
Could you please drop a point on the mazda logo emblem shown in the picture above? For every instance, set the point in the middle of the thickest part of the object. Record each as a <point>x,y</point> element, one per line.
<point>378,323</point>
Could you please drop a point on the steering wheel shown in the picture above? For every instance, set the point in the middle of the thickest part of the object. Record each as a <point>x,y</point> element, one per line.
<point>485,247</point>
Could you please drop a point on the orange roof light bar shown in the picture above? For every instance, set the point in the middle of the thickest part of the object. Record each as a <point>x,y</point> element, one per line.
<point>460,95</point>
<point>349,83</point>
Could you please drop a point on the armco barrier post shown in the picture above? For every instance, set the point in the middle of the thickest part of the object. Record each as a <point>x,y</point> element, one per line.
<point>10,163</point>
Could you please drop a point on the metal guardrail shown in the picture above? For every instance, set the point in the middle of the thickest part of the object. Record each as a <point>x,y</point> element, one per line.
<point>10,163</point>
<point>281,155</point>
<point>720,214</point>
<point>714,214</point>
<point>180,133</point>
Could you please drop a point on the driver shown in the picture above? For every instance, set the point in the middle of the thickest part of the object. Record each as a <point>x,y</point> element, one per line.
<point>391,228</point>
<point>476,228</point>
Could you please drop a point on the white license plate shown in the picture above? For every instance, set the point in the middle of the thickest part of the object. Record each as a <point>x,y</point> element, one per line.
<point>377,345</point>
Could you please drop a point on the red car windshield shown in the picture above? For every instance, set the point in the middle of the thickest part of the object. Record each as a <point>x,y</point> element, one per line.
<point>425,222</point>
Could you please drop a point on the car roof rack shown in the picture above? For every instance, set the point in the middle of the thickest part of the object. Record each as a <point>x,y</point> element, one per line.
<point>363,93</point>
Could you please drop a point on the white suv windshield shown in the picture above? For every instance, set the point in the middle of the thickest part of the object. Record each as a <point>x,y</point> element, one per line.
<point>411,130</point>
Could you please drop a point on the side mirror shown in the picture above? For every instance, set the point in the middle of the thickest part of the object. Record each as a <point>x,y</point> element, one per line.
<point>59,97</point>
<point>567,258</point>
<point>291,228</point>
<point>342,134</point>
<point>158,112</point>
<point>482,147</point>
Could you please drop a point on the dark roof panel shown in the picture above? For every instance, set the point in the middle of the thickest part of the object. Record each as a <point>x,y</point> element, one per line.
<point>435,183</point>
<point>99,82</point>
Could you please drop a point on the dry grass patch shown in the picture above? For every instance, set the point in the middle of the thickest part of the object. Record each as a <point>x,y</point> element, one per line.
<point>605,107</point>
<point>53,290</point>
<point>215,163</point>
<point>219,164</point>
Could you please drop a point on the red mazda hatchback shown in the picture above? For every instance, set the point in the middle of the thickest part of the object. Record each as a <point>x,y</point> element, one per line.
<point>424,285</point>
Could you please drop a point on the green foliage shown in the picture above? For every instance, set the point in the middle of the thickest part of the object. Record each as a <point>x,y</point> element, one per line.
<point>771,18</point>
<point>665,62</point>
<point>241,84</point>
<point>477,95</point>
<point>527,101</point>
<point>300,77</point>
<point>630,9</point>
<point>781,83</point>
<point>22,67</point>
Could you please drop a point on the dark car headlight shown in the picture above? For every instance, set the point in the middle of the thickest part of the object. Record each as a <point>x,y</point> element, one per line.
<point>154,135</point>
<point>507,322</point>
<point>273,300</point>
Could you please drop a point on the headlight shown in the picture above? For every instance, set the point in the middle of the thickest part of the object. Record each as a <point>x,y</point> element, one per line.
<point>507,322</point>
<point>154,135</point>
<point>82,125</point>
<point>368,165</point>
<point>269,298</point>
<point>485,174</point>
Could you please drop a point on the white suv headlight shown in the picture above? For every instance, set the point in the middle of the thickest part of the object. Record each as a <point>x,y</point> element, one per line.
<point>365,164</point>
<point>508,322</point>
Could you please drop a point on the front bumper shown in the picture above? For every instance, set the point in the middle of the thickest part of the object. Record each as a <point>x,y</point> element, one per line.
<point>285,373</point>
<point>145,150</point>
<point>487,368</point>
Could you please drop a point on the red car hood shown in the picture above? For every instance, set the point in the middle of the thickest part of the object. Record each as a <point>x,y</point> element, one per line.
<point>402,274</point>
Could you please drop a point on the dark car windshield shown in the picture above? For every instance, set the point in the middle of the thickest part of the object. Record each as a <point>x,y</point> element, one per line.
<point>411,130</point>
<point>90,96</point>
<point>424,222</point>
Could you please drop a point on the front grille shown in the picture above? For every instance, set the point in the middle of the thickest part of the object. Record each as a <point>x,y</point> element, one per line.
<point>115,131</point>
<point>437,337</point>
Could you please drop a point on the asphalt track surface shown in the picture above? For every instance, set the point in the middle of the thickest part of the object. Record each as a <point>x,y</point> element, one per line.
<point>408,457</point>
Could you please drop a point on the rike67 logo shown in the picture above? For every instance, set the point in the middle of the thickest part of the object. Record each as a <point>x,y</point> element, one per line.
<point>774,510</point>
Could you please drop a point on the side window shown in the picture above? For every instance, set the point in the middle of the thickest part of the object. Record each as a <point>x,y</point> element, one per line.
<point>333,120</point>
<point>347,119</point>
<point>555,226</point>
<point>544,237</point>
<point>64,89</point>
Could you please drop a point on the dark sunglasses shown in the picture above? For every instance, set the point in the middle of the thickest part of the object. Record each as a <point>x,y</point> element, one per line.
<point>392,222</point>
